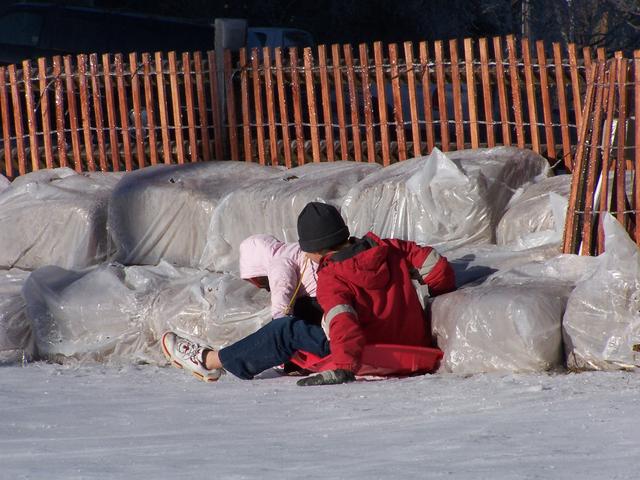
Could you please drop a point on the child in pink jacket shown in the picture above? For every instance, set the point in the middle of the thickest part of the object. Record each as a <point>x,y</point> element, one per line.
<point>284,270</point>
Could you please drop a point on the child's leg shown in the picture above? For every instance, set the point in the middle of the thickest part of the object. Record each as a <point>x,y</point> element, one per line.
<point>272,345</point>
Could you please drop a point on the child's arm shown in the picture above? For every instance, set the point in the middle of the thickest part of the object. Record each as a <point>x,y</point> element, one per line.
<point>433,269</point>
<point>340,322</point>
<point>283,280</point>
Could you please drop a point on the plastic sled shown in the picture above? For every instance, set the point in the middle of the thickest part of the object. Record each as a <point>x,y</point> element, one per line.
<point>380,360</point>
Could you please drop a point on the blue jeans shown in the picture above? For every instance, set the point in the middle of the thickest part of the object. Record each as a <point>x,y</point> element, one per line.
<point>272,345</point>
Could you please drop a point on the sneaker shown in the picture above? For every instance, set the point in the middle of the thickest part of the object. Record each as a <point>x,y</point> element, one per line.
<point>183,353</point>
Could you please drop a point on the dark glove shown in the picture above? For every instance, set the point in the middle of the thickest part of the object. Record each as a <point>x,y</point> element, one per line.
<point>328,377</point>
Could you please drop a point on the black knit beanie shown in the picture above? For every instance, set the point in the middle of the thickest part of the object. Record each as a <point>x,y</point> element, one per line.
<point>320,226</point>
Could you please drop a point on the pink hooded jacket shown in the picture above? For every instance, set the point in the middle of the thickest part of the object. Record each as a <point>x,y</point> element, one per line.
<point>284,264</point>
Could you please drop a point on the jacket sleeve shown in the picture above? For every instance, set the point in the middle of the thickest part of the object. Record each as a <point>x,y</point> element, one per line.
<point>283,279</point>
<point>430,267</point>
<point>340,322</point>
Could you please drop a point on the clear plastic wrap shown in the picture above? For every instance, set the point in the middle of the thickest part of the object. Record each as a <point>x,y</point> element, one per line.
<point>16,339</point>
<point>536,214</point>
<point>117,314</point>
<point>511,322</point>
<point>163,212</point>
<point>505,169</point>
<point>272,207</point>
<point>428,199</point>
<point>55,217</point>
<point>4,183</point>
<point>602,320</point>
<point>475,263</point>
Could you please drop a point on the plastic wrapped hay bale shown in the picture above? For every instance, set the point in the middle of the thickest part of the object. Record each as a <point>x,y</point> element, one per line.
<point>117,314</point>
<point>428,200</point>
<point>602,320</point>
<point>272,207</point>
<point>511,322</point>
<point>472,263</point>
<point>217,308</point>
<point>55,217</point>
<point>536,214</point>
<point>86,315</point>
<point>163,212</point>
<point>16,340</point>
<point>505,169</point>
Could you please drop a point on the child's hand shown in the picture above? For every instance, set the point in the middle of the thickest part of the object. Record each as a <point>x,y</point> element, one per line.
<point>328,377</point>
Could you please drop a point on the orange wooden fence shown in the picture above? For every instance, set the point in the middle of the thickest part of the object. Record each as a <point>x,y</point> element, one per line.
<point>607,160</point>
<point>371,103</point>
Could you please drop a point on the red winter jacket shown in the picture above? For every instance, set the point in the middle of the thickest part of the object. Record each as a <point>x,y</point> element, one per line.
<point>368,296</point>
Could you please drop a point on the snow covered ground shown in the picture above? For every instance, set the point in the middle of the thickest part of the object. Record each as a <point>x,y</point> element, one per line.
<point>97,421</point>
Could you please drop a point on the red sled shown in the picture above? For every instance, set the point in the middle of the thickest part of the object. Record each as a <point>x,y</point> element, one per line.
<point>380,360</point>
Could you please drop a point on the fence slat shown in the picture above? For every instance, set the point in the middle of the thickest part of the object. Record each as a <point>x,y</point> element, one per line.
<point>594,165</point>
<point>502,91</point>
<point>413,101</point>
<point>608,106</point>
<point>216,111</point>
<point>311,103</point>
<point>32,125</point>
<point>397,102</point>
<point>531,96</point>
<point>575,83</point>
<point>202,106</point>
<point>337,82</point>
<point>137,108</point>
<point>486,91</point>
<point>326,103</point>
<point>257,103</point>
<point>576,199</point>
<point>231,107</point>
<point>85,114</point>
<point>471,92</point>
<point>442,96</point>
<point>124,112</point>
<point>562,106</point>
<point>297,108</point>
<point>636,96</point>
<point>427,101</point>
<point>588,58</point>
<point>457,93</point>
<point>244,98</point>
<point>151,109</point>
<point>621,161</point>
<point>97,111</point>
<point>73,113</point>
<point>367,103</point>
<point>111,113</point>
<point>284,113</point>
<point>176,106</point>
<point>546,101</point>
<point>163,112</point>
<point>271,106</point>
<point>530,84</point>
<point>515,90</point>
<point>378,56</point>
<point>6,134</point>
<point>353,103</point>
<point>17,119</point>
<point>189,106</point>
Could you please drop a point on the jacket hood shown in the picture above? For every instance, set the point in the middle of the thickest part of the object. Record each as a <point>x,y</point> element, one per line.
<point>367,269</point>
<point>256,252</point>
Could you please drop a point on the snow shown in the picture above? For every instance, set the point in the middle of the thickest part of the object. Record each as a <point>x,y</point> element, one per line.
<point>96,421</point>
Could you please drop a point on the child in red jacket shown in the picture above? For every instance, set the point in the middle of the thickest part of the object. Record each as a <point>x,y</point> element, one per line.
<point>368,289</point>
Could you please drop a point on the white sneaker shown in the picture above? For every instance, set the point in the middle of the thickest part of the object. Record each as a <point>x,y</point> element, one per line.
<point>183,353</point>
